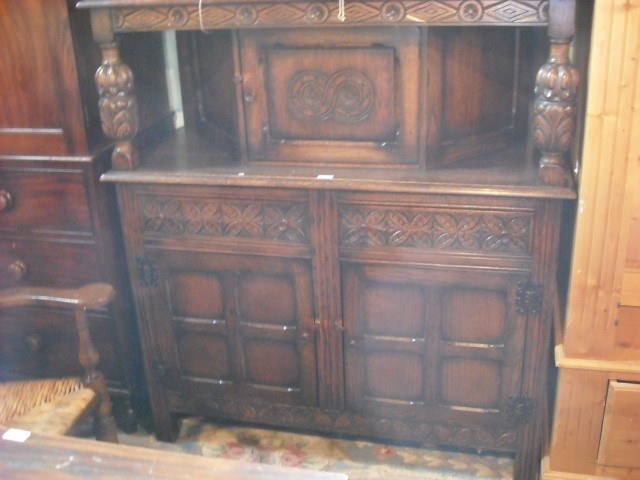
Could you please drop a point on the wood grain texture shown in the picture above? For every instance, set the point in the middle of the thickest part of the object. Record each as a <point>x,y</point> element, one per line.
<point>620,440</point>
<point>327,297</point>
<point>598,343</point>
<point>40,101</point>
<point>608,182</point>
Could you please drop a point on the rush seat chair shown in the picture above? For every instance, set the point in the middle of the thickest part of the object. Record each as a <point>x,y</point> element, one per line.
<point>56,405</point>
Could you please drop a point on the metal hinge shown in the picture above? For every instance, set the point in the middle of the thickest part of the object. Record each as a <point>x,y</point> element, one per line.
<point>147,272</point>
<point>528,298</point>
<point>519,408</point>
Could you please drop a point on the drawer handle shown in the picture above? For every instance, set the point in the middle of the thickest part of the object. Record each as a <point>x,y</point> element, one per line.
<point>6,200</point>
<point>17,270</point>
<point>34,343</point>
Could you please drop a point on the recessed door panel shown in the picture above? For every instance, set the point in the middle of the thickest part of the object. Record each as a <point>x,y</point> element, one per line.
<point>431,342</point>
<point>339,97</point>
<point>237,324</point>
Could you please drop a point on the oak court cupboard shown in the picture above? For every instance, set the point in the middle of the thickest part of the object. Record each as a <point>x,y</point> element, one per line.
<point>356,231</point>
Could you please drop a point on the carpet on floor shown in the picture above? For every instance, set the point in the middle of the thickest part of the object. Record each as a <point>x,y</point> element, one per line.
<point>360,460</point>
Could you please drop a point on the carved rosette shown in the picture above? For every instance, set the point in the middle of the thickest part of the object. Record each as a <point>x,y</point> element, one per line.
<point>234,14</point>
<point>257,221</point>
<point>466,231</point>
<point>118,107</point>
<point>554,122</point>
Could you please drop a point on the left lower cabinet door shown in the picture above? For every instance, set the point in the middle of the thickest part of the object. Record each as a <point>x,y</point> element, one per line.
<point>231,326</point>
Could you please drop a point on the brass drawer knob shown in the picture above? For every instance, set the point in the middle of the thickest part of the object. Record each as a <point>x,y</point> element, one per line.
<point>17,270</point>
<point>6,200</point>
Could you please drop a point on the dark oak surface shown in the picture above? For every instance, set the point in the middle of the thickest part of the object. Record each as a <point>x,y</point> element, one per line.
<point>186,158</point>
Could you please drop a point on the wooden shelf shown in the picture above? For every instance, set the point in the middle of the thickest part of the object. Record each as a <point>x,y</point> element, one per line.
<point>185,158</point>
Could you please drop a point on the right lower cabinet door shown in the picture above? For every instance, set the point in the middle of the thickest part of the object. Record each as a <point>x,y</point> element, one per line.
<point>432,344</point>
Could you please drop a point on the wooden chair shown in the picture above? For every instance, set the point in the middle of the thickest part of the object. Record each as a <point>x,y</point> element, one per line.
<point>55,405</point>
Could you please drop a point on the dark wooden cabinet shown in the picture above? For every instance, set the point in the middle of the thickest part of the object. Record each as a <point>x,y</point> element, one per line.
<point>58,223</point>
<point>407,316</point>
<point>356,231</point>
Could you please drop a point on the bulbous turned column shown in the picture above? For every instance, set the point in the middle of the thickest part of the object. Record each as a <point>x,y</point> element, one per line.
<point>118,107</point>
<point>556,90</point>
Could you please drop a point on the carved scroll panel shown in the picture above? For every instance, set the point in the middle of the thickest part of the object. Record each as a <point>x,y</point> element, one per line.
<point>350,97</point>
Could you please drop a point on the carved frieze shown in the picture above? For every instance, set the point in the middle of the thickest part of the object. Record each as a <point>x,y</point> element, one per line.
<point>346,96</point>
<point>466,231</point>
<point>212,218</point>
<point>353,423</point>
<point>275,14</point>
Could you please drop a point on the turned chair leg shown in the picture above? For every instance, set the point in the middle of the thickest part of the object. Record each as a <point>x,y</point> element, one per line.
<point>103,421</point>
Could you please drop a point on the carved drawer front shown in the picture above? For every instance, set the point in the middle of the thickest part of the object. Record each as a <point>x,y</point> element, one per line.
<point>238,324</point>
<point>456,337</point>
<point>43,200</point>
<point>36,342</point>
<point>347,97</point>
<point>59,264</point>
<point>232,215</point>
<point>415,224</point>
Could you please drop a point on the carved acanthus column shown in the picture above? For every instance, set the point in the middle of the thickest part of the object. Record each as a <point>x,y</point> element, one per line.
<point>556,90</point>
<point>118,104</point>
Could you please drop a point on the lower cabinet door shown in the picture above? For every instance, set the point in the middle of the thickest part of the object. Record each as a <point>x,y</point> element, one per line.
<point>234,326</point>
<point>432,344</point>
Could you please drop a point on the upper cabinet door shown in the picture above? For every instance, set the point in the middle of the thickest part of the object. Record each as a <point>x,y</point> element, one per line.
<point>40,107</point>
<point>347,97</point>
<point>432,343</point>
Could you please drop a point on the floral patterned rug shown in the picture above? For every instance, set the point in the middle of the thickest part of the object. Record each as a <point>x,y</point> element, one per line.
<point>358,459</point>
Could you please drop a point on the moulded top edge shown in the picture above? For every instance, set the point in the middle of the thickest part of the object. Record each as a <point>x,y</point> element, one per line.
<point>230,177</point>
<point>510,6</point>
